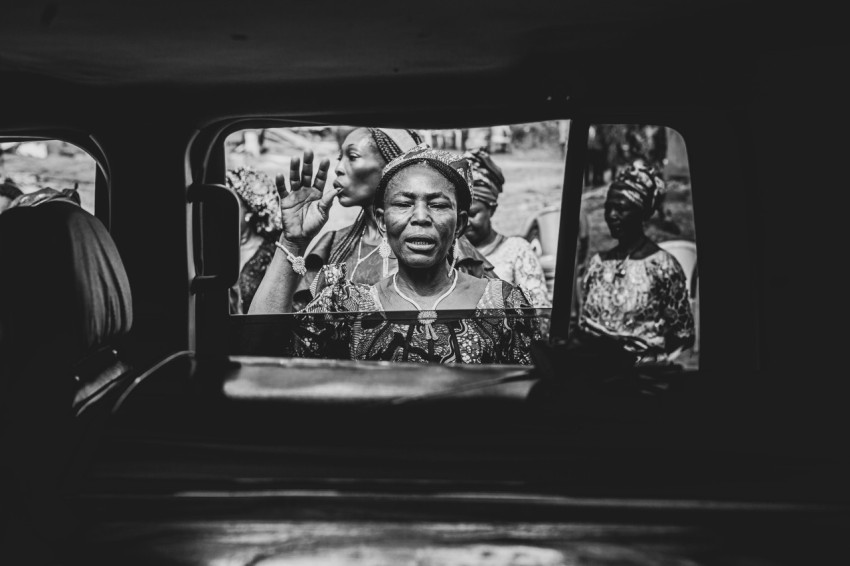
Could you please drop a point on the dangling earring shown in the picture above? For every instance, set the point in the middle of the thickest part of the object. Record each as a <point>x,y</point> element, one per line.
<point>454,259</point>
<point>384,252</point>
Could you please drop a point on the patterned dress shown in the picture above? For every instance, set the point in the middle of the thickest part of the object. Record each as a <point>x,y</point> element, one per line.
<point>347,321</point>
<point>250,277</point>
<point>515,261</point>
<point>647,298</point>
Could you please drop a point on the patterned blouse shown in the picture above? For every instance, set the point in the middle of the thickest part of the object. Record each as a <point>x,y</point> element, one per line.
<point>252,273</point>
<point>647,298</point>
<point>347,321</point>
<point>515,261</point>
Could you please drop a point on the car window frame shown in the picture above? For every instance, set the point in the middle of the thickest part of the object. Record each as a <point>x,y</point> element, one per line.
<point>206,164</point>
<point>86,142</point>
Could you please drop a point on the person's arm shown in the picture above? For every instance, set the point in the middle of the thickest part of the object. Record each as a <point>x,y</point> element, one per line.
<point>680,332</point>
<point>274,294</point>
<point>304,210</point>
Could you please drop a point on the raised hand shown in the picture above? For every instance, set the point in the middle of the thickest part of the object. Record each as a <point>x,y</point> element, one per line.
<point>304,208</point>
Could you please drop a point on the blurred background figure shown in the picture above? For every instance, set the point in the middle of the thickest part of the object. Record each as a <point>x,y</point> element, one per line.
<point>9,191</point>
<point>514,259</point>
<point>260,228</point>
<point>500,139</point>
<point>597,158</point>
<point>635,295</point>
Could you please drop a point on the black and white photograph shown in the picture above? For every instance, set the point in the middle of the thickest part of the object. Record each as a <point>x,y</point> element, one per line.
<point>543,283</point>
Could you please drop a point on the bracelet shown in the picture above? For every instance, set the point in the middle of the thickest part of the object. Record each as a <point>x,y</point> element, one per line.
<point>297,262</point>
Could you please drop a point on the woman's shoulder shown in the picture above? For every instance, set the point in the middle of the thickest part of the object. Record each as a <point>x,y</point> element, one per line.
<point>664,260</point>
<point>501,294</point>
<point>518,244</point>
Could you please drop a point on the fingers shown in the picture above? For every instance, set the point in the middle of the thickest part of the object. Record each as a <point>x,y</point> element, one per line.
<point>322,173</point>
<point>295,173</point>
<point>328,199</point>
<point>307,169</point>
<point>280,183</point>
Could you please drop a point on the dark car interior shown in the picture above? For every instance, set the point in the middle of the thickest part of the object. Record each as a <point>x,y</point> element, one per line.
<point>176,433</point>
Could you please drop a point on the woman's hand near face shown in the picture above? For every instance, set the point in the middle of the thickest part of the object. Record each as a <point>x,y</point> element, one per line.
<point>304,208</point>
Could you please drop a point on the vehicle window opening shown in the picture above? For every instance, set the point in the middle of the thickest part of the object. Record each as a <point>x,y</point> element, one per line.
<point>34,170</point>
<point>636,280</point>
<point>511,174</point>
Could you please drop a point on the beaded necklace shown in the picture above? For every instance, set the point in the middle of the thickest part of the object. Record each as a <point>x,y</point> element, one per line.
<point>426,317</point>
<point>383,250</point>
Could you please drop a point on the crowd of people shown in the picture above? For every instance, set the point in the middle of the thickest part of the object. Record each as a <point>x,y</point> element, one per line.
<point>424,243</point>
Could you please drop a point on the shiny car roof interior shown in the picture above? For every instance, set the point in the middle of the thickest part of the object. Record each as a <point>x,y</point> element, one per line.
<point>748,455</point>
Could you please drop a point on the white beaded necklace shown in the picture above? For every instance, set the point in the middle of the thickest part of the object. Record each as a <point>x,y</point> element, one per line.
<point>426,317</point>
<point>383,250</point>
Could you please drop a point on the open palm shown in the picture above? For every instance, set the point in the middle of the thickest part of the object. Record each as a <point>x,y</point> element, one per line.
<point>304,209</point>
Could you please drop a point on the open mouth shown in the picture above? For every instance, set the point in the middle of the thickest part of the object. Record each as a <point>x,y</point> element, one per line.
<point>420,244</point>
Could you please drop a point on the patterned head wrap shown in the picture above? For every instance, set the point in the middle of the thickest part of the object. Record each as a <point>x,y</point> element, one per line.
<point>642,185</point>
<point>393,142</point>
<point>259,195</point>
<point>487,177</point>
<point>452,166</point>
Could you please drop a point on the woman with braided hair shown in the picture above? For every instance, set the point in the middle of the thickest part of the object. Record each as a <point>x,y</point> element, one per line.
<point>363,155</point>
<point>427,311</point>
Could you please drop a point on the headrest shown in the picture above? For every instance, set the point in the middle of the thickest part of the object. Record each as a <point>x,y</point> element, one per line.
<point>63,283</point>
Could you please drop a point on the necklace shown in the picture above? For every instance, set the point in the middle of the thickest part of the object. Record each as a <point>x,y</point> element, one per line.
<point>360,260</point>
<point>383,250</point>
<point>620,270</point>
<point>428,317</point>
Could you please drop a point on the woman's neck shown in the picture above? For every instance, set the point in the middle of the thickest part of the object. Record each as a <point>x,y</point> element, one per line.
<point>488,239</point>
<point>423,283</point>
<point>628,246</point>
<point>372,233</point>
<point>488,244</point>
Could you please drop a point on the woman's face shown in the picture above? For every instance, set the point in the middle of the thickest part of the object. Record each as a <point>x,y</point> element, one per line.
<point>479,222</point>
<point>359,169</point>
<point>623,216</point>
<point>421,217</point>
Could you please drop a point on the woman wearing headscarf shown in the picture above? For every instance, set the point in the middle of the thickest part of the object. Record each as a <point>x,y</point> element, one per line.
<point>513,258</point>
<point>636,294</point>
<point>363,154</point>
<point>259,229</point>
<point>421,206</point>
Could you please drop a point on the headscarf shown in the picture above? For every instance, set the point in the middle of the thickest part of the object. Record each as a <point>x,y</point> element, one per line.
<point>456,168</point>
<point>487,177</point>
<point>642,185</point>
<point>259,194</point>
